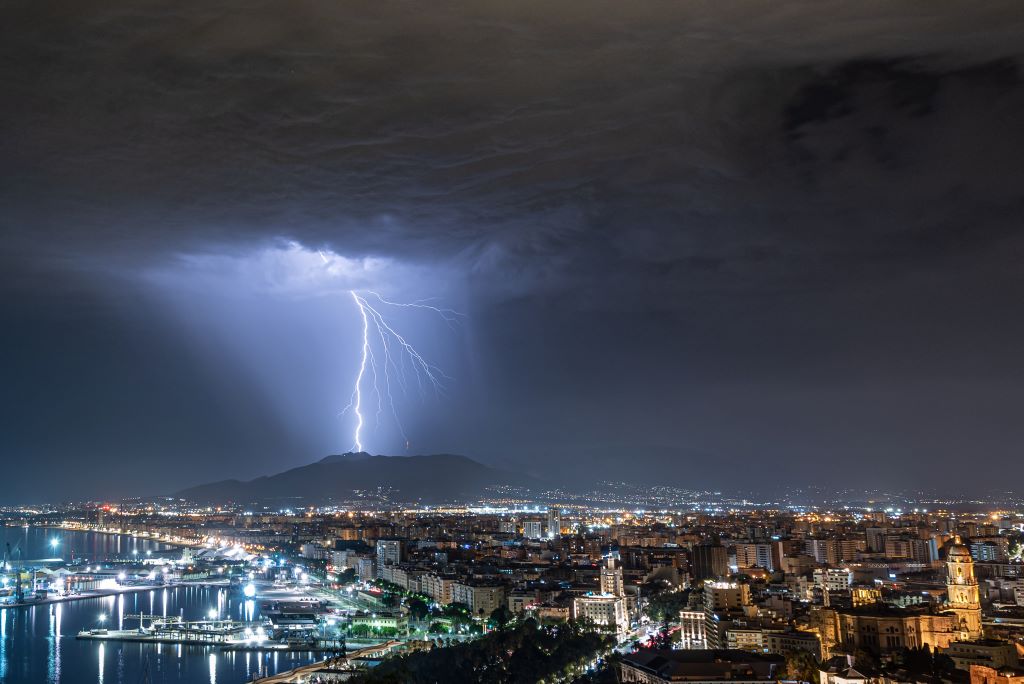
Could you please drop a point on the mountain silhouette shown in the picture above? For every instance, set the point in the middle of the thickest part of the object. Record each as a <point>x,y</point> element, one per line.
<point>436,478</point>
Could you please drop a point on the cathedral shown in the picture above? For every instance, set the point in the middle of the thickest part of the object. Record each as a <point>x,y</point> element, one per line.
<point>882,629</point>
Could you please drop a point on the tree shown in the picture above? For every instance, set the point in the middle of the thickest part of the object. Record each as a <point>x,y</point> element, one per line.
<point>456,610</point>
<point>522,653</point>
<point>360,630</point>
<point>865,660</point>
<point>654,587</point>
<point>802,665</point>
<point>418,608</point>
<point>663,639</point>
<point>500,617</point>
<point>665,607</point>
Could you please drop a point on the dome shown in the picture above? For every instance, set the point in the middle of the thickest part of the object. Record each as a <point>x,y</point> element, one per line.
<point>958,551</point>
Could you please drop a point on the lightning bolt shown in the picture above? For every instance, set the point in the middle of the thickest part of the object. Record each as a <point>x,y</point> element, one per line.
<point>448,315</point>
<point>398,359</point>
<point>356,403</point>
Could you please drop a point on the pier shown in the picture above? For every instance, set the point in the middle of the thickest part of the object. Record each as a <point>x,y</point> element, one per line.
<point>174,630</point>
<point>83,595</point>
<point>114,591</point>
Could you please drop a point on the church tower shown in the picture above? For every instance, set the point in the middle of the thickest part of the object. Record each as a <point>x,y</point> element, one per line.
<point>962,591</point>
<point>611,578</point>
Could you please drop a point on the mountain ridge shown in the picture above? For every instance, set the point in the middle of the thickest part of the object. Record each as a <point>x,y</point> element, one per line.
<point>427,478</point>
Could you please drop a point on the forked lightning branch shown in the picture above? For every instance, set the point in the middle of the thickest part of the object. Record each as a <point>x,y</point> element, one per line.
<point>389,364</point>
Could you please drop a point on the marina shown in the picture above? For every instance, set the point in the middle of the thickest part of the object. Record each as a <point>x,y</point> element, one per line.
<point>174,630</point>
<point>227,634</point>
<point>39,641</point>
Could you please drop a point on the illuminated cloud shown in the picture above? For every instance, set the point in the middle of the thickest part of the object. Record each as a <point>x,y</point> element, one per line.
<point>284,269</point>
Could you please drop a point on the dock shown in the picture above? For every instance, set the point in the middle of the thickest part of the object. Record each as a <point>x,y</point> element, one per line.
<point>82,596</point>
<point>174,630</point>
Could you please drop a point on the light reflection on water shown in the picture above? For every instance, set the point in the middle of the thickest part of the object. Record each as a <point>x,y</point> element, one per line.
<point>38,644</point>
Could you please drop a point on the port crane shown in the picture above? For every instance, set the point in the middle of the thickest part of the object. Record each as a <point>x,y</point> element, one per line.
<point>19,592</point>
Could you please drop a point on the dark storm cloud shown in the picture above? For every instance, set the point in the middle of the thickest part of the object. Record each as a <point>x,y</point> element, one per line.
<point>767,214</point>
<point>539,145</point>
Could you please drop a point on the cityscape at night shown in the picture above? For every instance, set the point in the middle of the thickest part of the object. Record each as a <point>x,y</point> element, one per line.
<point>545,342</point>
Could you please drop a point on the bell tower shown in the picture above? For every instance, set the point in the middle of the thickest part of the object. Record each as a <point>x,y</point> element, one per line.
<point>962,595</point>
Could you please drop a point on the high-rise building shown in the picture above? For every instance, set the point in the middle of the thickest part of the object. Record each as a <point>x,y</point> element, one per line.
<point>725,596</point>
<point>833,579</point>
<point>437,587</point>
<point>481,599</point>
<point>533,529</point>
<point>609,611</point>
<point>849,548</point>
<point>723,601</point>
<point>389,552</point>
<point>554,523</point>
<point>755,556</point>
<point>709,561</point>
<point>692,629</point>
<point>824,551</point>
<point>988,552</point>
<point>905,546</point>
<point>875,537</point>
<point>365,569</point>
<point>611,578</point>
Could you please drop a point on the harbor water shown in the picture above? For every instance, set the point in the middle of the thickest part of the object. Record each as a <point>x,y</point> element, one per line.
<point>38,644</point>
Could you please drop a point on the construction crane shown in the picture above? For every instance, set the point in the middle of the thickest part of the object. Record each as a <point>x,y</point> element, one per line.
<point>19,593</point>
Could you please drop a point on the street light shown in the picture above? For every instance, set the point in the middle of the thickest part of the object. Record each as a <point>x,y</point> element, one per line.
<point>54,543</point>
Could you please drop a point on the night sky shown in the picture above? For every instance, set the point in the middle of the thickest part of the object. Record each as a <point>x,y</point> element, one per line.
<point>723,244</point>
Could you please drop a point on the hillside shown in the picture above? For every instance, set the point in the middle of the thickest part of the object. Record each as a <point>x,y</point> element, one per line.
<point>433,478</point>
